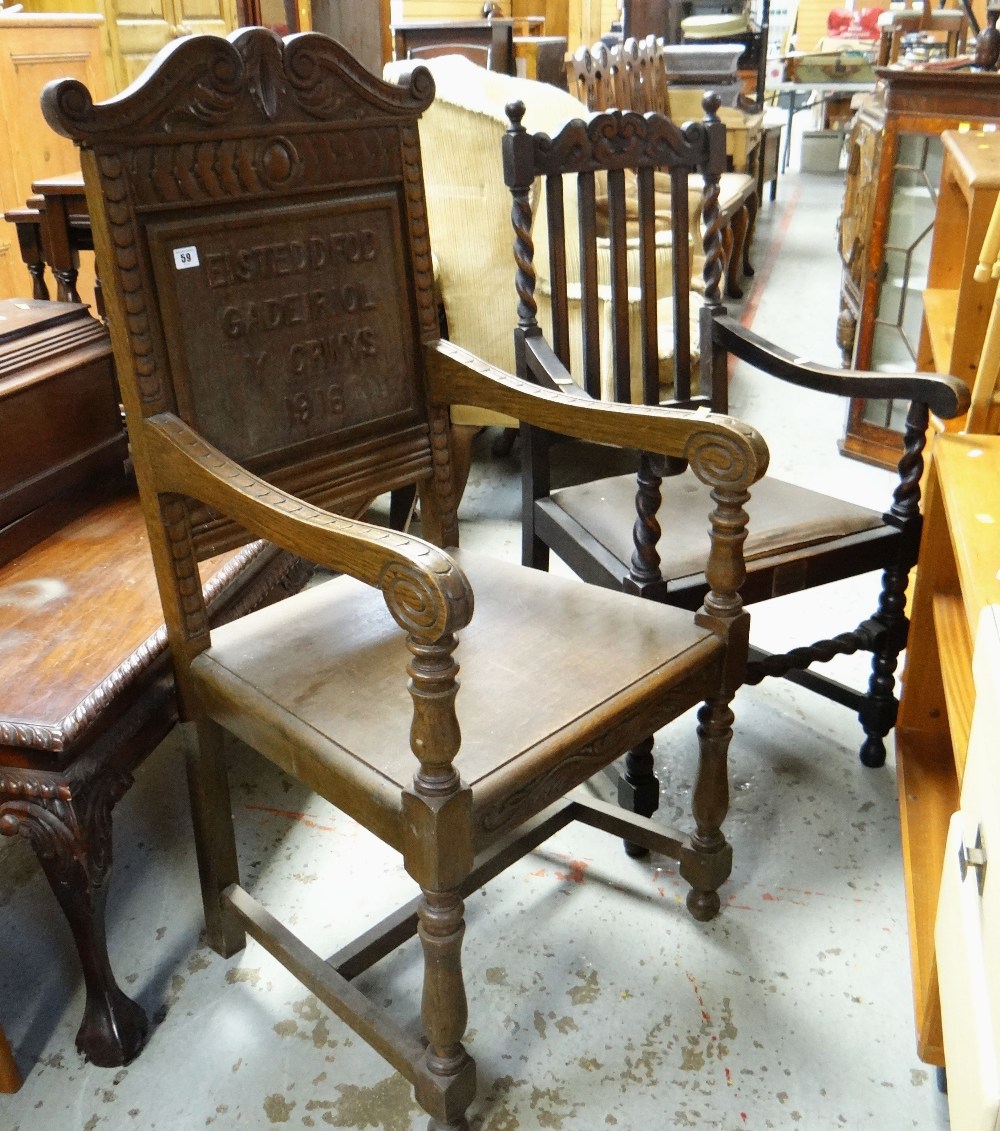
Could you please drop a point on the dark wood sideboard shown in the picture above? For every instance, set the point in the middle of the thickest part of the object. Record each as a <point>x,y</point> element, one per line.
<point>86,690</point>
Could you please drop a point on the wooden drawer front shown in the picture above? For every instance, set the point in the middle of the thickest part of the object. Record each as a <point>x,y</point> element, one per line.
<point>967,935</point>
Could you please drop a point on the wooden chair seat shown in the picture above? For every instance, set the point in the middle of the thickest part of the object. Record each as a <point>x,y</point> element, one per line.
<point>260,672</point>
<point>784,518</point>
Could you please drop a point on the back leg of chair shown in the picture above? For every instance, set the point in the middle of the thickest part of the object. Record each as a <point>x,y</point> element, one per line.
<point>215,839</point>
<point>753,204</point>
<point>639,788</point>
<point>878,709</point>
<point>736,243</point>
<point>711,858</point>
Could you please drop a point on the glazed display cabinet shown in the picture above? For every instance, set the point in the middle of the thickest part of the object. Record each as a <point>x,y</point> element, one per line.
<point>886,228</point>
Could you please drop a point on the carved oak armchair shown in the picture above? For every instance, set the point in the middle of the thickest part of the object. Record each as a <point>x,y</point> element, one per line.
<point>260,222</point>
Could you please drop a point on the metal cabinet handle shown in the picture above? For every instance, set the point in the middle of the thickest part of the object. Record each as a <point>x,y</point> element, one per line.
<point>974,858</point>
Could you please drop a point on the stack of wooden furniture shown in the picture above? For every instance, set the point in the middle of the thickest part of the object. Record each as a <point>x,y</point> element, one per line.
<point>633,78</point>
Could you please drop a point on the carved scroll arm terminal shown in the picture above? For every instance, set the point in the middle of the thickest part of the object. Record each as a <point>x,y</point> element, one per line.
<point>436,599</point>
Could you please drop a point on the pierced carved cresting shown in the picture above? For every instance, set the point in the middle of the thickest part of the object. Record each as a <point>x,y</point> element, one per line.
<point>615,139</point>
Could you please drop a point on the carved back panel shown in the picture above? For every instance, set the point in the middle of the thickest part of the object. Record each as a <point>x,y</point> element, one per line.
<point>260,222</point>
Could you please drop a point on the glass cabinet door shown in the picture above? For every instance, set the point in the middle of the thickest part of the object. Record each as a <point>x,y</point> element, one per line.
<point>902,280</point>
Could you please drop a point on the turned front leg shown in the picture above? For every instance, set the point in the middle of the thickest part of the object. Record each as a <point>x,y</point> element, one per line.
<point>445,1010</point>
<point>711,859</point>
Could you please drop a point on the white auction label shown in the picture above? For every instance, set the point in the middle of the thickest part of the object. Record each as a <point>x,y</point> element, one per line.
<point>185,257</point>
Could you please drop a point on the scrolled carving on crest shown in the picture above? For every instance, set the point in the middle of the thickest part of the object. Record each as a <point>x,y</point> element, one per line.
<point>428,605</point>
<point>252,75</point>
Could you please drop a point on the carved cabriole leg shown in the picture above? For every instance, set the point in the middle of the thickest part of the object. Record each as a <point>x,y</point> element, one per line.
<point>439,856</point>
<point>70,831</point>
<point>214,837</point>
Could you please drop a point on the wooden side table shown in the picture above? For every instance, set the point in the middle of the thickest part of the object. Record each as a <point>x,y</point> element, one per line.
<point>86,690</point>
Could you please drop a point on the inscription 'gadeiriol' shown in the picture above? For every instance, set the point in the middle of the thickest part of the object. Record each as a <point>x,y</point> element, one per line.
<point>312,364</point>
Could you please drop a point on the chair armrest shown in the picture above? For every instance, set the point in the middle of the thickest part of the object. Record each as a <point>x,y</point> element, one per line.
<point>424,588</point>
<point>944,395</point>
<point>720,449</point>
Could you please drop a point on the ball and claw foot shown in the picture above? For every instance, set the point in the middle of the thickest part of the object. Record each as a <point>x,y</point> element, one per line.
<point>703,905</point>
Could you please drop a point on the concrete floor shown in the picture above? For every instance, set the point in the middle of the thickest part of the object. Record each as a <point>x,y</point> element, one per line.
<point>595,1001</point>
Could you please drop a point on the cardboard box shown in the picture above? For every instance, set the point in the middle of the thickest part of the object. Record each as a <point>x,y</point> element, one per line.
<point>821,151</point>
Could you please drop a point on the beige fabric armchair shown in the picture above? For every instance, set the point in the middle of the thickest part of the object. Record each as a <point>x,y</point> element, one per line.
<point>469,209</point>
